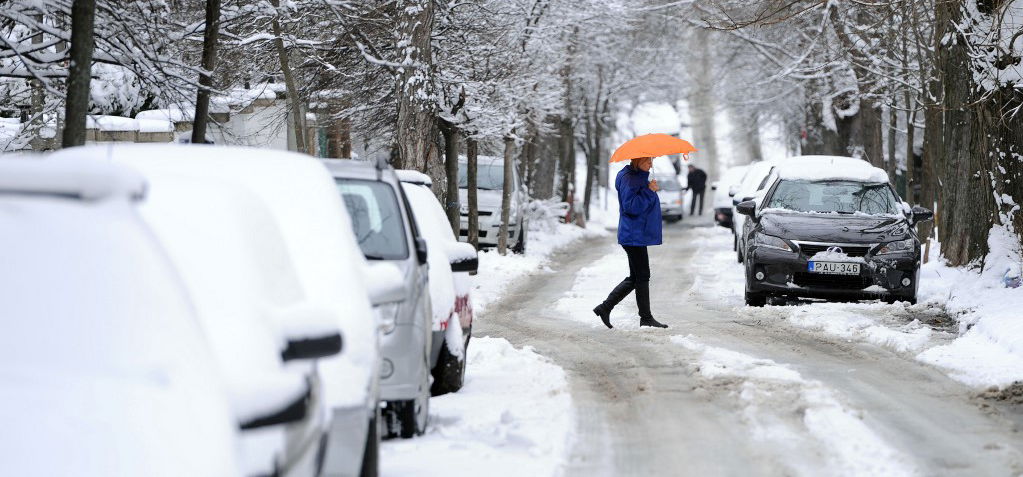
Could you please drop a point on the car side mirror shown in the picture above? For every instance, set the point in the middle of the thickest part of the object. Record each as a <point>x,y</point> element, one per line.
<point>310,331</point>
<point>462,257</point>
<point>421,250</point>
<point>312,348</point>
<point>747,207</point>
<point>385,283</point>
<point>921,214</point>
<point>733,190</point>
<point>292,411</point>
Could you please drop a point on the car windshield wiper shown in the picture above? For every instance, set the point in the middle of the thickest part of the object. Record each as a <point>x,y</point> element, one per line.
<point>370,256</point>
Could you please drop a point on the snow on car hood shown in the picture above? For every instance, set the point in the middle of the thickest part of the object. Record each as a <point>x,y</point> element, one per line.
<point>486,199</point>
<point>837,228</point>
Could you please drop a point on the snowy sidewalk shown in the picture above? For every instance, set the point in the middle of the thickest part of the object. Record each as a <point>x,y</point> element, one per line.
<point>514,416</point>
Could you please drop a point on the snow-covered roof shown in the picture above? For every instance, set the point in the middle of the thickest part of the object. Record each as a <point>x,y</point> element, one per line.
<point>820,168</point>
<point>414,177</point>
<point>173,114</point>
<point>110,123</point>
<point>70,176</point>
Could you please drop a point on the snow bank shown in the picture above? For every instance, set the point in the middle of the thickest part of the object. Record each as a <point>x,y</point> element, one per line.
<point>989,350</point>
<point>496,272</point>
<point>501,422</point>
<point>799,416</point>
<point>820,168</point>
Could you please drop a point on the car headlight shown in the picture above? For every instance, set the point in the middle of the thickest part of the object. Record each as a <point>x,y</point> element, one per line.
<point>388,316</point>
<point>899,246</point>
<point>770,241</point>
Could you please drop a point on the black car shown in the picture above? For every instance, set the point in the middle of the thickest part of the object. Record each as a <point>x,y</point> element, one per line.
<point>831,239</point>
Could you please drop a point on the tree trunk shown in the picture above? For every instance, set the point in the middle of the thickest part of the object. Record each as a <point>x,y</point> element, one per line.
<point>967,214</point>
<point>702,105</point>
<point>416,129</point>
<point>871,133</point>
<point>890,164</point>
<point>451,205</point>
<point>83,15</point>
<point>298,116</point>
<point>506,193</point>
<point>471,151</point>
<point>209,62</point>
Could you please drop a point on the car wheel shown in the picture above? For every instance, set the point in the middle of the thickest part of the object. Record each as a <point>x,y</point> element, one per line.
<point>756,299</point>
<point>449,373</point>
<point>371,453</point>
<point>412,415</point>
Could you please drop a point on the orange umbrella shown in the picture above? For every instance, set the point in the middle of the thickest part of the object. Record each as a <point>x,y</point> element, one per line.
<point>652,145</point>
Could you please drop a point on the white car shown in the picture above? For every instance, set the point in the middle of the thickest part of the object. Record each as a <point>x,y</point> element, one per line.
<point>302,199</point>
<point>753,181</point>
<point>724,190</point>
<point>106,369</point>
<point>489,191</point>
<point>450,263</point>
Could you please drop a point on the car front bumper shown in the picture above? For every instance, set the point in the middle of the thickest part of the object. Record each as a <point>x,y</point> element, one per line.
<point>785,273</point>
<point>402,362</point>
<point>489,232</point>
<point>671,210</point>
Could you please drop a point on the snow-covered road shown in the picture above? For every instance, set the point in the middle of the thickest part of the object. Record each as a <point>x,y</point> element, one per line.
<point>814,389</point>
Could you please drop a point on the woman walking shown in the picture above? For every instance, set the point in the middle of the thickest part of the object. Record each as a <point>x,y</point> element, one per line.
<point>639,226</point>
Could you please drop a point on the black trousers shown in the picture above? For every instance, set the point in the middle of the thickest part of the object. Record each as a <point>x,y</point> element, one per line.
<point>692,205</point>
<point>639,263</point>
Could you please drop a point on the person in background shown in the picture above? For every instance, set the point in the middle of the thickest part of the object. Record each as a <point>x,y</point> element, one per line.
<point>639,226</point>
<point>697,184</point>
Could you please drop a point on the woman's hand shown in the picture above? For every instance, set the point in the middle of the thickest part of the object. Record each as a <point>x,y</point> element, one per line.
<point>653,185</point>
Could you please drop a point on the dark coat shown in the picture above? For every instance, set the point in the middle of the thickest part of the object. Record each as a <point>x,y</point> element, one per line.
<point>697,180</point>
<point>639,209</point>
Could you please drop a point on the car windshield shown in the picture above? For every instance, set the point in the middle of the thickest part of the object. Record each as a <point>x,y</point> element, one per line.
<point>376,218</point>
<point>488,176</point>
<point>843,197</point>
<point>668,183</point>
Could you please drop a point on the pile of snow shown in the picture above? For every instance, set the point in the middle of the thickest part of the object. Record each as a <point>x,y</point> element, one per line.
<point>821,168</point>
<point>835,256</point>
<point>798,416</point>
<point>513,417</point>
<point>497,271</point>
<point>989,350</point>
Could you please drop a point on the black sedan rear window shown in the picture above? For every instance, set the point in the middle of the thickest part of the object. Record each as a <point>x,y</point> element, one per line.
<point>843,197</point>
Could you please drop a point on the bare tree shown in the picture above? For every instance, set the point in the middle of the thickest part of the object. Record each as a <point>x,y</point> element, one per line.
<point>209,63</point>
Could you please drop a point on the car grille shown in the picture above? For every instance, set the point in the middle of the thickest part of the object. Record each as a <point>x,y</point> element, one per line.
<point>822,280</point>
<point>853,251</point>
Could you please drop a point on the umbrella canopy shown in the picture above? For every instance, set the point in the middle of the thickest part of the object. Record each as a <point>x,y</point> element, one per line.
<point>652,145</point>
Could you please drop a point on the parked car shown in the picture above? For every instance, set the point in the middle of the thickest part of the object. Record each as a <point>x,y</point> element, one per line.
<point>670,194</point>
<point>301,197</point>
<point>490,188</point>
<point>386,231</point>
<point>450,265</point>
<point>724,189</point>
<point>832,228</point>
<point>106,368</point>
<point>753,182</point>
<point>234,262</point>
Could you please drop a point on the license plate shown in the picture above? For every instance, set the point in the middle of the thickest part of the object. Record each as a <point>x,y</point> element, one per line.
<point>834,268</point>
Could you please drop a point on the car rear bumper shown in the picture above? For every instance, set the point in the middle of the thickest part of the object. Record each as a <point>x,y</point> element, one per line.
<point>785,273</point>
<point>723,217</point>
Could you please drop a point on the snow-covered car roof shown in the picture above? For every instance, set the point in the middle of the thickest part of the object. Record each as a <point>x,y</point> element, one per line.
<point>820,168</point>
<point>414,177</point>
<point>72,175</point>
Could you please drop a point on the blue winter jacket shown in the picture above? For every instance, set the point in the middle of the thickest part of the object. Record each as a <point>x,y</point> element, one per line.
<point>639,209</point>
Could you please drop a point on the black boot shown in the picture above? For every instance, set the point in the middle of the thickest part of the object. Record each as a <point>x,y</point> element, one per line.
<point>603,310</point>
<point>643,301</point>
